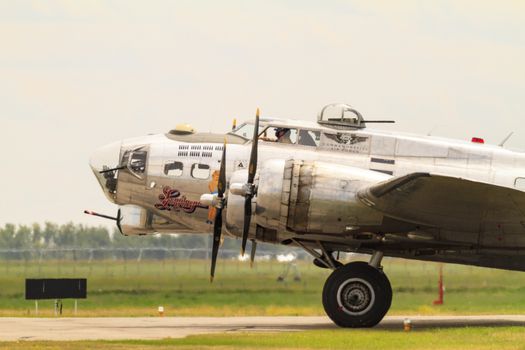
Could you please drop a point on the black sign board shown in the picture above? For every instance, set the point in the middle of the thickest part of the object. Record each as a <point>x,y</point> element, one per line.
<point>56,288</point>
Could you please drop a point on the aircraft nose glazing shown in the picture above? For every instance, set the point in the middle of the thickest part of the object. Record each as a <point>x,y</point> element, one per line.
<point>105,162</point>
<point>105,157</point>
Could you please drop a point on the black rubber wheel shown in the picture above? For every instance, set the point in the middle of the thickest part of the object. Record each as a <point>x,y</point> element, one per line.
<point>357,295</point>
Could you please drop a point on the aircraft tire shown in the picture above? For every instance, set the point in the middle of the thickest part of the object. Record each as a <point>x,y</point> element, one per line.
<point>357,295</point>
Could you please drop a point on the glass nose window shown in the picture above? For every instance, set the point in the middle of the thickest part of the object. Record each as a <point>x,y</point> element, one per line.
<point>137,163</point>
<point>105,165</point>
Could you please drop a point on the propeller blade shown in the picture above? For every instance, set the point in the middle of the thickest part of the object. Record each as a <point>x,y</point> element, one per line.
<point>217,228</point>
<point>247,221</point>
<point>217,224</point>
<point>252,253</point>
<point>119,219</point>
<point>252,169</point>
<point>221,185</point>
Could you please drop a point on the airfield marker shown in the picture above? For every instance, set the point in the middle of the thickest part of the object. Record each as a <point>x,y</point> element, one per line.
<point>441,287</point>
<point>407,325</point>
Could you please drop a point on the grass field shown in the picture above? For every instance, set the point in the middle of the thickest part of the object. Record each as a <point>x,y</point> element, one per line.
<point>118,288</point>
<point>504,338</point>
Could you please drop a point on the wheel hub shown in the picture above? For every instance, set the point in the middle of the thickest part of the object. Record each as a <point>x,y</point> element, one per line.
<point>355,296</point>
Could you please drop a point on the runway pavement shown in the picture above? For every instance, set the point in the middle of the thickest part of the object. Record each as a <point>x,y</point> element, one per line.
<point>113,328</point>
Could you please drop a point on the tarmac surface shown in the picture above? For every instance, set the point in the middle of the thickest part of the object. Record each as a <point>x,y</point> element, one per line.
<point>114,328</point>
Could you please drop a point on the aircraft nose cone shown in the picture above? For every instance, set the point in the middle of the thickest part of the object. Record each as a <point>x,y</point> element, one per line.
<point>105,157</point>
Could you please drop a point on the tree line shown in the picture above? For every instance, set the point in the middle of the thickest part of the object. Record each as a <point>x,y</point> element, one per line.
<point>26,241</point>
<point>70,235</point>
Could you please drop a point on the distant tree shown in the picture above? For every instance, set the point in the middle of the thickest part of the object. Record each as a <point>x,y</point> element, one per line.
<point>49,234</point>
<point>92,237</point>
<point>22,239</point>
<point>66,235</point>
<point>37,236</point>
<point>6,235</point>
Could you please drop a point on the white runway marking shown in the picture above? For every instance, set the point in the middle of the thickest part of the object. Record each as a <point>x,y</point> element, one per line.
<point>113,328</point>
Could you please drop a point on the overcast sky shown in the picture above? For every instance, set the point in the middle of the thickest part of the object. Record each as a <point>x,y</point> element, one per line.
<point>75,75</point>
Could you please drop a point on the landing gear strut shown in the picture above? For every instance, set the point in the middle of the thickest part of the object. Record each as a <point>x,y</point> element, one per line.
<point>357,294</point>
<point>325,259</point>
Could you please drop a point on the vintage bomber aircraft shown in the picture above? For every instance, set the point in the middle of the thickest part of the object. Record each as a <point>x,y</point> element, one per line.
<point>327,187</point>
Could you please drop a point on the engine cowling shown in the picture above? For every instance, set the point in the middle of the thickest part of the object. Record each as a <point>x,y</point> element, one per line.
<point>306,197</point>
<point>235,204</point>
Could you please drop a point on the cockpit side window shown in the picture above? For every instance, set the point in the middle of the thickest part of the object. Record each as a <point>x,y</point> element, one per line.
<point>174,168</point>
<point>200,171</point>
<point>309,137</point>
<point>279,134</point>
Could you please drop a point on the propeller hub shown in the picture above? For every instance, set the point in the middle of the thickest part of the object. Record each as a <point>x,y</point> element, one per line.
<point>209,199</point>
<point>241,189</point>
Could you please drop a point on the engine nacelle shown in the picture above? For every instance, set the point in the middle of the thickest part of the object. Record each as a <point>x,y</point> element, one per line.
<point>314,197</point>
<point>139,221</point>
<point>304,197</point>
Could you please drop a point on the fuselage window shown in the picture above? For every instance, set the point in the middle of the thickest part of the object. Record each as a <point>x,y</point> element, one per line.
<point>200,171</point>
<point>173,168</point>
<point>519,184</point>
<point>280,135</point>
<point>309,138</point>
<point>137,163</point>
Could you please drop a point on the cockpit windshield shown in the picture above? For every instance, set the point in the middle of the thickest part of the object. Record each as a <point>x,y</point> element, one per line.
<point>279,134</point>
<point>244,130</point>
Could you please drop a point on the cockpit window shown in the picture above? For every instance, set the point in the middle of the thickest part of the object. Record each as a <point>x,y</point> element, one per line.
<point>520,183</point>
<point>173,168</point>
<point>137,163</point>
<point>309,138</point>
<point>279,134</point>
<point>200,171</point>
<point>244,130</point>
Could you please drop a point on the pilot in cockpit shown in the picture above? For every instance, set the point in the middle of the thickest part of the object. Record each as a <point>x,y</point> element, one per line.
<point>283,135</point>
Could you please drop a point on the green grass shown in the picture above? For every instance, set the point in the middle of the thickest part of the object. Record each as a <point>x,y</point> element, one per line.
<point>117,288</point>
<point>449,338</point>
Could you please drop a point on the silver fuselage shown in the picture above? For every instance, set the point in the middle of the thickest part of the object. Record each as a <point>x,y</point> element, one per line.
<point>165,195</point>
